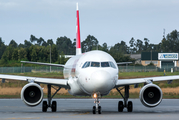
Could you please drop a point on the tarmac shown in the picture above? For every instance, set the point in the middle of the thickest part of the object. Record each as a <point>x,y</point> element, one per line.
<point>81,109</point>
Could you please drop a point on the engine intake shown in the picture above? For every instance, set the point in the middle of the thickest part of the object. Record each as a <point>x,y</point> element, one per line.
<point>32,94</point>
<point>150,95</point>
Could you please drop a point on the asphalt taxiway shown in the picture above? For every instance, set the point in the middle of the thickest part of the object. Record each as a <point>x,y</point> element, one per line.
<point>78,109</point>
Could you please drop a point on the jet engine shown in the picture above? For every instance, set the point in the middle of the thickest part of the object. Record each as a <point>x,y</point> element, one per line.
<point>150,95</point>
<point>32,94</point>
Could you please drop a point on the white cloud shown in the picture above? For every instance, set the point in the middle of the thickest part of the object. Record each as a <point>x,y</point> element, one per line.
<point>6,5</point>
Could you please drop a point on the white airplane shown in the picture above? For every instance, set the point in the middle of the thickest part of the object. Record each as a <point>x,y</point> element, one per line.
<point>93,73</point>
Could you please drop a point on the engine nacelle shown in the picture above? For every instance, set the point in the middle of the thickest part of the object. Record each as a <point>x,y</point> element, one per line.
<point>150,95</point>
<point>32,94</point>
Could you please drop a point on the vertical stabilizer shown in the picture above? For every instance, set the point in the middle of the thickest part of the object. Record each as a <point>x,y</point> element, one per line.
<point>78,41</point>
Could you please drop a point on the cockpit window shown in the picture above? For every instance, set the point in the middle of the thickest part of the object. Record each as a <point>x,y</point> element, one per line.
<point>99,64</point>
<point>87,64</point>
<point>112,65</point>
<point>95,64</point>
<point>105,64</point>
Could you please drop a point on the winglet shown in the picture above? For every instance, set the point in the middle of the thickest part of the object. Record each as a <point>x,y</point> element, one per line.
<point>78,41</point>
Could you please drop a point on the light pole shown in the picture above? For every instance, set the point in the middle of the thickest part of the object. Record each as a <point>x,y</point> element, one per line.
<point>50,57</point>
<point>151,56</point>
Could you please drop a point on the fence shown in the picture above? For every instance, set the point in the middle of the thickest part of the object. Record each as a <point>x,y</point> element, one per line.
<point>137,68</point>
<point>29,69</point>
<point>60,69</point>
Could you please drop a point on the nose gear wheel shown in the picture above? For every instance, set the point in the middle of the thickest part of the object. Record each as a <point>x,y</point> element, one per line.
<point>97,108</point>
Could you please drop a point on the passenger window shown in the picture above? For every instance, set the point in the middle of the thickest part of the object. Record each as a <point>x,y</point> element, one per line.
<point>95,64</point>
<point>112,65</point>
<point>104,64</point>
<point>87,64</point>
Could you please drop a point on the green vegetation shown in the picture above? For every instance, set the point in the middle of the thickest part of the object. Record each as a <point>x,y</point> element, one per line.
<point>38,49</point>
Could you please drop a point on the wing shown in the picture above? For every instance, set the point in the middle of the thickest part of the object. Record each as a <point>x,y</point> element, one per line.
<point>122,63</point>
<point>58,82</point>
<point>40,63</point>
<point>123,82</point>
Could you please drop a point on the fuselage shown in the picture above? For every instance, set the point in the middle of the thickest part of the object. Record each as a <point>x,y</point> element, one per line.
<point>91,72</point>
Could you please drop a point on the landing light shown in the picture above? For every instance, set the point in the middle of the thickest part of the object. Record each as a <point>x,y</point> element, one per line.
<point>95,95</point>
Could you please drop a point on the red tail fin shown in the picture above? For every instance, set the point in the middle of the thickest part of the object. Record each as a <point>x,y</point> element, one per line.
<point>78,41</point>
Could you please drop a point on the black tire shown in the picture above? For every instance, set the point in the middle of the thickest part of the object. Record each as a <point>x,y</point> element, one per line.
<point>44,106</point>
<point>120,106</point>
<point>94,110</point>
<point>99,110</point>
<point>54,106</point>
<point>130,106</point>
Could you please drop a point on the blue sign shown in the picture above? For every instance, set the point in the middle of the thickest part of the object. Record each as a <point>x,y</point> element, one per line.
<point>168,56</point>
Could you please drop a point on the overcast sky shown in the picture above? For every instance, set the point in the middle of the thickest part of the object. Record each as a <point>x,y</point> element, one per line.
<point>109,21</point>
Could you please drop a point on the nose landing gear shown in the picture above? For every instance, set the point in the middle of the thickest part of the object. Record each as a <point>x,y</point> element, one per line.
<point>96,108</point>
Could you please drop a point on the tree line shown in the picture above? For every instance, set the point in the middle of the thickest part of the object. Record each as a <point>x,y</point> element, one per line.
<point>38,49</point>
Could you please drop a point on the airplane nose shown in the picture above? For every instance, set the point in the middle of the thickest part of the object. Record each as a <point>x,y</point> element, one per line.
<point>102,81</point>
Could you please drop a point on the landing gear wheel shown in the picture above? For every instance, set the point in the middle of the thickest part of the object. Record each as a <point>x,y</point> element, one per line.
<point>99,110</point>
<point>130,106</point>
<point>54,106</point>
<point>120,106</point>
<point>94,109</point>
<point>44,106</point>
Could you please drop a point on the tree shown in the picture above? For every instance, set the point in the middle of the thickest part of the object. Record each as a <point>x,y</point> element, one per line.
<point>40,41</point>
<point>8,52</point>
<point>119,48</point>
<point>44,44</point>
<point>139,46</point>
<point>50,42</point>
<point>33,38</point>
<point>171,42</point>
<point>146,45</point>
<point>2,48</point>
<point>105,47</point>
<point>13,44</point>
<point>90,43</point>
<point>27,44</point>
<point>54,55</point>
<point>22,54</point>
<point>62,58</point>
<point>21,45</point>
<point>43,54</point>
<point>132,45</point>
<point>64,44</point>
<point>34,56</point>
<point>15,54</point>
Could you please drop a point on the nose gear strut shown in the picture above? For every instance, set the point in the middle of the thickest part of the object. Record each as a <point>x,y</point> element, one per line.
<point>96,108</point>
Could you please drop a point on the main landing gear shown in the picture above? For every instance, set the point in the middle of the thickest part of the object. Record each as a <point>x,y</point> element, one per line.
<point>52,104</point>
<point>97,108</point>
<point>127,104</point>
